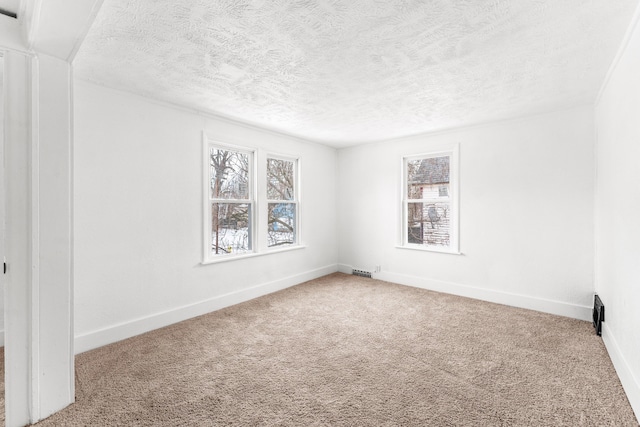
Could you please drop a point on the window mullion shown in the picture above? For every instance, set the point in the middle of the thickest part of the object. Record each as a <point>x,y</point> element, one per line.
<point>438,200</point>
<point>231,200</point>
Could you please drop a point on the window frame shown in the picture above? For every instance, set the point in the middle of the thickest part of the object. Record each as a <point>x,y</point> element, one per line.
<point>258,191</point>
<point>295,201</point>
<point>453,200</point>
<point>208,200</point>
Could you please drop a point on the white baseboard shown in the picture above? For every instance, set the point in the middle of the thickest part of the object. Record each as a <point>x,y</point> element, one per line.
<point>630,384</point>
<point>343,268</point>
<point>1,337</point>
<point>515,300</point>
<point>135,327</point>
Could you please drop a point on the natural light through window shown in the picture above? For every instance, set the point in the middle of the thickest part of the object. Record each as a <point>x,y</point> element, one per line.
<point>282,202</point>
<point>232,201</point>
<point>430,207</point>
<point>251,202</point>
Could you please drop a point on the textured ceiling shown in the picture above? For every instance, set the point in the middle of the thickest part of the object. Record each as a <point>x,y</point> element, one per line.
<point>352,71</point>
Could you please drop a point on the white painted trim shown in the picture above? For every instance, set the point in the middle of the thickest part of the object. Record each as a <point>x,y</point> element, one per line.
<point>72,362</point>
<point>11,32</point>
<point>296,198</point>
<point>453,152</point>
<point>621,51</point>
<point>499,297</point>
<point>232,257</point>
<point>425,248</point>
<point>206,210</point>
<point>35,240</point>
<point>595,203</point>
<point>141,325</point>
<point>252,200</point>
<point>515,300</point>
<point>22,10</point>
<point>2,197</point>
<point>344,268</point>
<point>259,201</point>
<point>630,384</point>
<point>17,162</point>
<point>30,20</point>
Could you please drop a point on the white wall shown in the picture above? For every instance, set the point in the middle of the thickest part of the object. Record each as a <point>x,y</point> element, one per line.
<point>526,213</point>
<point>617,213</point>
<point>52,252</point>
<point>2,200</point>
<point>38,355</point>
<point>17,162</point>
<point>138,217</point>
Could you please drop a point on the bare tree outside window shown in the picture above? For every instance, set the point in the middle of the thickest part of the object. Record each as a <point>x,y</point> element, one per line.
<point>282,212</point>
<point>231,203</point>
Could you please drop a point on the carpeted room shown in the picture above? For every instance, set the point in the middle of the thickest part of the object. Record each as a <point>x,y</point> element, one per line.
<point>344,350</point>
<point>537,227</point>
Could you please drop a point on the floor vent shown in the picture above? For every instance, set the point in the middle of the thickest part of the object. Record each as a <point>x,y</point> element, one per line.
<point>361,273</point>
<point>598,314</point>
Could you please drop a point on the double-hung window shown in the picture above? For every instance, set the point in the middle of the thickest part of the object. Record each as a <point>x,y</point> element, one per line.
<point>251,202</point>
<point>282,202</point>
<point>231,201</point>
<point>430,201</point>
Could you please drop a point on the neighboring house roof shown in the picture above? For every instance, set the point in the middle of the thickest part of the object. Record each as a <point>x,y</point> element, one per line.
<point>432,171</point>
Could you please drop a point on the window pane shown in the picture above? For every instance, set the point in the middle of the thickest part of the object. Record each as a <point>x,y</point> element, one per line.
<point>282,224</point>
<point>230,228</point>
<point>279,179</point>
<point>429,224</point>
<point>428,178</point>
<point>229,172</point>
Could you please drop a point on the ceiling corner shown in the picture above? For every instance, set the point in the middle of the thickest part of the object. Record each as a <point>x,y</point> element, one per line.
<point>57,27</point>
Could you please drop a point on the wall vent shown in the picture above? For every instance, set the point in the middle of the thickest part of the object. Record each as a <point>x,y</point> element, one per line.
<point>598,314</point>
<point>361,273</point>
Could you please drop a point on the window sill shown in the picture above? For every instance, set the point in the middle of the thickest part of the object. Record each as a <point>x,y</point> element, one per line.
<point>430,249</point>
<point>227,258</point>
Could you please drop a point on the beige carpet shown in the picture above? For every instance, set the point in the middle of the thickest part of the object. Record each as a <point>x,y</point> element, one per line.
<point>348,351</point>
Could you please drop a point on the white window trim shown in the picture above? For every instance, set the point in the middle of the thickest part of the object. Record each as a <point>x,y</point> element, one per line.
<point>454,201</point>
<point>296,200</point>
<point>207,257</point>
<point>228,258</point>
<point>258,190</point>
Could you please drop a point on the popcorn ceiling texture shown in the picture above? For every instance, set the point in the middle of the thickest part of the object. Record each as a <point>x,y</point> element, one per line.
<point>352,71</point>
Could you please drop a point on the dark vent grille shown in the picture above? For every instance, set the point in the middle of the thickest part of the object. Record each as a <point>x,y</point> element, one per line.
<point>361,273</point>
<point>598,314</point>
<point>8,13</point>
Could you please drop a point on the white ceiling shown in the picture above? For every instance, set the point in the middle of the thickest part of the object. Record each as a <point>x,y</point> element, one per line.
<point>351,71</point>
